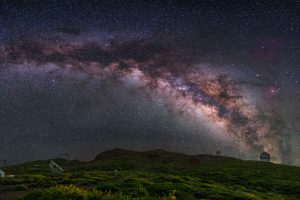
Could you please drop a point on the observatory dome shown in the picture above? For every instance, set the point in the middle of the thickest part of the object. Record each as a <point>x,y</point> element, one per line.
<point>264,156</point>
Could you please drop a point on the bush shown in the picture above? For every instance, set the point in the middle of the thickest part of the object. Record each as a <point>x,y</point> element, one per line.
<point>108,188</point>
<point>137,190</point>
<point>21,187</point>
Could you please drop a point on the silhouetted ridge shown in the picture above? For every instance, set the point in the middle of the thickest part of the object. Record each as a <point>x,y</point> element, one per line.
<point>123,160</point>
<point>154,159</point>
<point>114,153</point>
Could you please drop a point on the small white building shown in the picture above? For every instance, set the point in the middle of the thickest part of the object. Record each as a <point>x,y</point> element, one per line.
<point>2,173</point>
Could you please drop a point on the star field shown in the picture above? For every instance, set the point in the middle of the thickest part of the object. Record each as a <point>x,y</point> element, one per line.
<point>80,77</point>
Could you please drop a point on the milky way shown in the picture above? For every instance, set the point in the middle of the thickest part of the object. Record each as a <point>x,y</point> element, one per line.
<point>190,90</point>
<point>95,78</point>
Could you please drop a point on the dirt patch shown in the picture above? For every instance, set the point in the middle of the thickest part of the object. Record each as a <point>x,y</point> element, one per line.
<point>13,195</point>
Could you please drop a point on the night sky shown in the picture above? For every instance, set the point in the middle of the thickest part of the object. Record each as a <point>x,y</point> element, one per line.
<point>81,77</point>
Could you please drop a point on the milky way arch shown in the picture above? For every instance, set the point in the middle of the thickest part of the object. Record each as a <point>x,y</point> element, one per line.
<point>188,88</point>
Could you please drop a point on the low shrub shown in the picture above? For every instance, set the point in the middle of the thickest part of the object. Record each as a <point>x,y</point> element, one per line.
<point>72,192</point>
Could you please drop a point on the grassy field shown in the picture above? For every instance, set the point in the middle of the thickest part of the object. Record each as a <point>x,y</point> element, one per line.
<point>122,174</point>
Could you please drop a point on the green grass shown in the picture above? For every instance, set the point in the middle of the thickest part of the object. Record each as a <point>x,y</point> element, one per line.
<point>72,192</point>
<point>156,174</point>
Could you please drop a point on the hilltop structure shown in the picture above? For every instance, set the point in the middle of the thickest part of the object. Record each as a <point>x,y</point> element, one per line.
<point>264,156</point>
<point>2,173</point>
<point>55,168</point>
